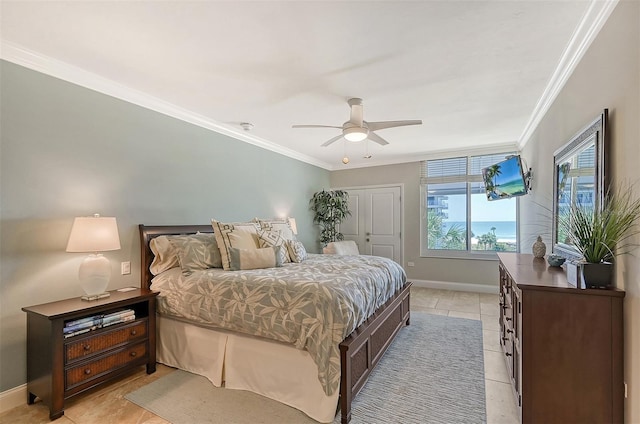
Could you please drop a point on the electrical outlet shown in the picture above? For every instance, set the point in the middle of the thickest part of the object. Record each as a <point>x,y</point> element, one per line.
<point>410,264</point>
<point>125,268</point>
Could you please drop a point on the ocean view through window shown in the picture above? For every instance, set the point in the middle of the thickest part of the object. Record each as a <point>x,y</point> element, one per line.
<point>457,219</point>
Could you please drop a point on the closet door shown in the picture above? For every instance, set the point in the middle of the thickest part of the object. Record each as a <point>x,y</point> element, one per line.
<point>375,221</point>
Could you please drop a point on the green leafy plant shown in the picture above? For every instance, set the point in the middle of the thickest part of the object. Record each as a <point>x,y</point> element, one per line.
<point>600,235</point>
<point>330,208</point>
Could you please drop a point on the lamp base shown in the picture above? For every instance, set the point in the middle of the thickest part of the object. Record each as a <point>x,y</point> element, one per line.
<point>90,297</point>
<point>94,275</point>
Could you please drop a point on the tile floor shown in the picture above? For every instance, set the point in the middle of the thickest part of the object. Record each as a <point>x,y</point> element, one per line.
<point>107,405</point>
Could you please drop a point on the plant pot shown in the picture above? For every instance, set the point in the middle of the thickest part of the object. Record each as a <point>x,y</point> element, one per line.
<point>597,275</point>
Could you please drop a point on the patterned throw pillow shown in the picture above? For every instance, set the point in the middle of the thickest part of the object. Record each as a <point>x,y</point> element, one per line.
<point>281,225</point>
<point>196,252</point>
<point>297,252</point>
<point>241,235</point>
<point>268,257</point>
<point>272,239</point>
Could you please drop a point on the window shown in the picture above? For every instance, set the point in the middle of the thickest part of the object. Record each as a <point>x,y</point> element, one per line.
<point>457,219</point>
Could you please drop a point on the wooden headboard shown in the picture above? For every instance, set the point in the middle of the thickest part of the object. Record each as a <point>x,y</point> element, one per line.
<point>150,232</point>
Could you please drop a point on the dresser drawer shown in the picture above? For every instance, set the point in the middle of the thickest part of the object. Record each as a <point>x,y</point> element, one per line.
<point>103,341</point>
<point>85,372</point>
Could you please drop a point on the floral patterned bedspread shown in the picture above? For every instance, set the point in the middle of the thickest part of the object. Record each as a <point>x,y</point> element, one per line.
<point>313,305</point>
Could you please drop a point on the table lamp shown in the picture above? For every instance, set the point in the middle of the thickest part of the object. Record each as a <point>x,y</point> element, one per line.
<point>94,234</point>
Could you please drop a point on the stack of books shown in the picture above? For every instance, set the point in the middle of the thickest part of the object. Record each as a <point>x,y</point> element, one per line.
<point>84,325</point>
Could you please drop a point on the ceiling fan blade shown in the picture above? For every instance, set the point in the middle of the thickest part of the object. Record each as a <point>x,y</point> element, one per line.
<point>377,139</point>
<point>356,116</point>
<point>374,126</point>
<point>314,126</point>
<point>333,140</point>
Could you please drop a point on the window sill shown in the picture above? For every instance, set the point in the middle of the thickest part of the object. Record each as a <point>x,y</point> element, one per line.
<point>456,254</point>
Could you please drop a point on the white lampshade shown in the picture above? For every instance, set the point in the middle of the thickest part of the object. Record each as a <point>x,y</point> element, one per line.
<point>94,234</point>
<point>294,227</point>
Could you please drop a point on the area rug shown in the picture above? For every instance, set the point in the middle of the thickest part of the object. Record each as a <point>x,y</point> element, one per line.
<point>433,373</point>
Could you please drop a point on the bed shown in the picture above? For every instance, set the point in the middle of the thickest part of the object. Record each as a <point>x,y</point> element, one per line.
<point>263,363</point>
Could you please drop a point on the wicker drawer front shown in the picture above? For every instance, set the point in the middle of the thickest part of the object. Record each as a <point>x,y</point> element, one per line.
<point>99,343</point>
<point>82,373</point>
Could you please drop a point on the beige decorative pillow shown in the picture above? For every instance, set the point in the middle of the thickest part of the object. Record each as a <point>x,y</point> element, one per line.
<point>274,238</point>
<point>281,225</point>
<point>164,255</point>
<point>344,247</point>
<point>197,252</point>
<point>268,257</point>
<point>241,235</point>
<point>297,252</point>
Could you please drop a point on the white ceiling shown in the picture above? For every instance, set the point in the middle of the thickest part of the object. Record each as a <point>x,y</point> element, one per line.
<point>473,71</point>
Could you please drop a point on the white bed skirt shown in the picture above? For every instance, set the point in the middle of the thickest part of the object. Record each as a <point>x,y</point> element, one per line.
<point>271,369</point>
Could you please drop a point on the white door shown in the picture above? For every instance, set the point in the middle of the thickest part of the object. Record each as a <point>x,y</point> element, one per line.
<point>375,221</point>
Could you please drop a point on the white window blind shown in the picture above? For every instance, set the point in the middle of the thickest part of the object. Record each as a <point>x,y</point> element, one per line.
<point>458,169</point>
<point>452,169</point>
<point>484,161</point>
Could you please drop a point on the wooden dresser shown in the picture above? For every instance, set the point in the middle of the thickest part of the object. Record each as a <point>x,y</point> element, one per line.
<point>563,345</point>
<point>59,367</point>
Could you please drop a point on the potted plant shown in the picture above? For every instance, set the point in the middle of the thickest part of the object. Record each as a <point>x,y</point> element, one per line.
<point>330,208</point>
<point>601,235</point>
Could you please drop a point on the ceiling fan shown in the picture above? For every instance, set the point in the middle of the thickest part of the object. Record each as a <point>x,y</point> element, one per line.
<point>357,129</point>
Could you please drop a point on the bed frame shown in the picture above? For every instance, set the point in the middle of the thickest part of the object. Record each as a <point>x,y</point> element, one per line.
<point>359,352</point>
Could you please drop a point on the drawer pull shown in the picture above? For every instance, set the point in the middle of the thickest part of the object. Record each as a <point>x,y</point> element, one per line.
<point>133,354</point>
<point>87,371</point>
<point>134,332</point>
<point>508,354</point>
<point>509,331</point>
<point>508,319</point>
<point>86,347</point>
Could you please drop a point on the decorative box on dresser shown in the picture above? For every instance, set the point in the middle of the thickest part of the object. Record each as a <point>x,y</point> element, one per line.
<point>563,345</point>
<point>59,368</point>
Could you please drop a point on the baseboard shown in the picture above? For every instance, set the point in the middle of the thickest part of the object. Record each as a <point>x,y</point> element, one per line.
<point>449,285</point>
<point>11,398</point>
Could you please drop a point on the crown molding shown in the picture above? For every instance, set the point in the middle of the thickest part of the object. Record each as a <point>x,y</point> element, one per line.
<point>436,154</point>
<point>19,55</point>
<point>592,22</point>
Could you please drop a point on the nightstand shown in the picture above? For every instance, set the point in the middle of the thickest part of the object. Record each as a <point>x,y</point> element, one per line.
<point>59,366</point>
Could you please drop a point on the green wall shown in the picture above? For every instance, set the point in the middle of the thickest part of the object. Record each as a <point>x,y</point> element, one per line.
<point>67,151</point>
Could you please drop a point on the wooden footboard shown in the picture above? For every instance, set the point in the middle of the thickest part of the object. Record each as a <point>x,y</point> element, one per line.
<point>362,349</point>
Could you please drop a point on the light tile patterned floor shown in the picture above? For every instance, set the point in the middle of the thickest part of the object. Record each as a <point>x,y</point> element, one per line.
<point>107,405</point>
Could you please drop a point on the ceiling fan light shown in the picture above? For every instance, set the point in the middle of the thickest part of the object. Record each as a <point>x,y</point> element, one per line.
<point>355,134</point>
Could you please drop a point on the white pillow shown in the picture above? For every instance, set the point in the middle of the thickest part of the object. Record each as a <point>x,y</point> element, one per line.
<point>164,255</point>
<point>344,247</point>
